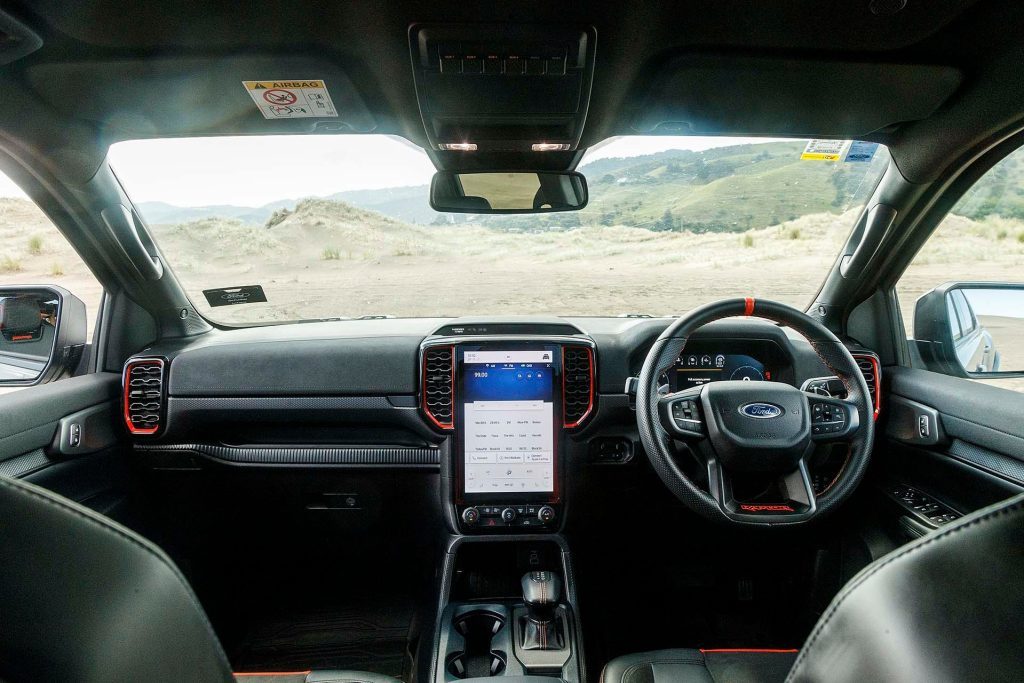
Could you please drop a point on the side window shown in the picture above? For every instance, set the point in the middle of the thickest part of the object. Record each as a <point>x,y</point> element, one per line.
<point>967,282</point>
<point>34,252</point>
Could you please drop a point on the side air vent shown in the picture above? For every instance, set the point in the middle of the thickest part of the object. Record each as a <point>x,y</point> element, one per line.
<point>144,399</point>
<point>873,376</point>
<point>438,385</point>
<point>577,384</point>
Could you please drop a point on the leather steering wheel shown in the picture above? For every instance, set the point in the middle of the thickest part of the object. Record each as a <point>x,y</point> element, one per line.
<point>754,431</point>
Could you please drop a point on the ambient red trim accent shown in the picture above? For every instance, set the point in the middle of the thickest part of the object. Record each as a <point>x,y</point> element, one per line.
<point>748,306</point>
<point>273,673</point>
<point>749,649</point>
<point>766,508</point>
<point>125,383</point>
<point>590,395</point>
<point>878,379</point>
<point>426,409</point>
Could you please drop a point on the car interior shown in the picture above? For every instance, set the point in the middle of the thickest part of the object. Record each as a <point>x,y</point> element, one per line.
<point>645,342</point>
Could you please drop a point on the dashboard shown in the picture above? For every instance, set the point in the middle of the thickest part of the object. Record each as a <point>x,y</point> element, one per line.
<point>507,414</point>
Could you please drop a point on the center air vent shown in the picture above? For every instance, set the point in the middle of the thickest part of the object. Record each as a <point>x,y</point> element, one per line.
<point>438,385</point>
<point>577,384</point>
<point>144,395</point>
<point>872,375</point>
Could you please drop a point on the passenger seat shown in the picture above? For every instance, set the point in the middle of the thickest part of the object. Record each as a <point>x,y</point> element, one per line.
<point>84,599</point>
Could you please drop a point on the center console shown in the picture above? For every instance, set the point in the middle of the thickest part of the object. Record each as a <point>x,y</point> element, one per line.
<point>508,403</point>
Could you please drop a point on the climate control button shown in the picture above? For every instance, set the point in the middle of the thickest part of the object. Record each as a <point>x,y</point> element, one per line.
<point>470,516</point>
<point>508,515</point>
<point>546,514</point>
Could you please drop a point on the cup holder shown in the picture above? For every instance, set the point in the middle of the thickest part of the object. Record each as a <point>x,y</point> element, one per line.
<point>477,660</point>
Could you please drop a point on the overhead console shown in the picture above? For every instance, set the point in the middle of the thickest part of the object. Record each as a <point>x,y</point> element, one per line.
<point>508,403</point>
<point>502,88</point>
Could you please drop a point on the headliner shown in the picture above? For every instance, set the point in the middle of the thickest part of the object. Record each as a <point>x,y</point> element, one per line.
<point>95,76</point>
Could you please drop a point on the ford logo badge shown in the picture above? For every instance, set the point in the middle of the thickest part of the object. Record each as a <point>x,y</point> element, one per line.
<point>761,411</point>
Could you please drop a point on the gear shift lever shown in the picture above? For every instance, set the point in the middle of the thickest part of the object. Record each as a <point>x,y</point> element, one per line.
<point>541,629</point>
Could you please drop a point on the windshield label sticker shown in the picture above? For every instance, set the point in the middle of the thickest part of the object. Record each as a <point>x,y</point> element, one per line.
<point>861,151</point>
<point>823,150</point>
<point>232,296</point>
<point>291,99</point>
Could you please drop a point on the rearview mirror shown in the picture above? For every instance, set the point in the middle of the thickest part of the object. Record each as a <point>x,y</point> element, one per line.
<point>42,333</point>
<point>972,329</point>
<point>507,192</point>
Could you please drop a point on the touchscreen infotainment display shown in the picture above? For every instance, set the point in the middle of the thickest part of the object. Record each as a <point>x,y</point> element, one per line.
<point>508,425</point>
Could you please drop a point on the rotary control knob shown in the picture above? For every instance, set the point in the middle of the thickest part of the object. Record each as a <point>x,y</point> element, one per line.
<point>470,516</point>
<point>508,515</point>
<point>546,514</point>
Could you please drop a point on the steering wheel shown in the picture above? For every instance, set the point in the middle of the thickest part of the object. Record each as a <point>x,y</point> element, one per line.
<point>761,432</point>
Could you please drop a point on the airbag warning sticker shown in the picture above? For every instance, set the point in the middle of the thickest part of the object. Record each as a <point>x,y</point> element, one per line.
<point>232,296</point>
<point>291,99</point>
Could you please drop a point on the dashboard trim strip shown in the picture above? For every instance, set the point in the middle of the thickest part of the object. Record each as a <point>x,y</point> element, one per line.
<point>392,456</point>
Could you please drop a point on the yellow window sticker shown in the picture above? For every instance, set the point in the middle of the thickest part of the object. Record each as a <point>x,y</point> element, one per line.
<point>291,99</point>
<point>823,150</point>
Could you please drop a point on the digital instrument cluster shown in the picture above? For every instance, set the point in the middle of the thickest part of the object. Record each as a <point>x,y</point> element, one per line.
<point>697,367</point>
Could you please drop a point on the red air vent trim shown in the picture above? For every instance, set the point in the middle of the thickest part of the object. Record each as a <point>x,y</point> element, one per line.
<point>874,385</point>
<point>142,386</point>
<point>572,416</point>
<point>438,385</point>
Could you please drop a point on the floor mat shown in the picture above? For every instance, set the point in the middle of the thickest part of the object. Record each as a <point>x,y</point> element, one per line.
<point>366,638</point>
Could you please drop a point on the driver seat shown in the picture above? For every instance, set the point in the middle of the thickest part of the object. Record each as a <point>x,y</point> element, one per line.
<point>946,607</point>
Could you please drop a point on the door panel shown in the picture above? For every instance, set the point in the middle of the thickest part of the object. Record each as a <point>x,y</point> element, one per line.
<point>957,441</point>
<point>37,442</point>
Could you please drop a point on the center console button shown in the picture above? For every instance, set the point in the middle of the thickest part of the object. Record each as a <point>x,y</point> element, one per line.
<point>508,515</point>
<point>470,516</point>
<point>546,514</point>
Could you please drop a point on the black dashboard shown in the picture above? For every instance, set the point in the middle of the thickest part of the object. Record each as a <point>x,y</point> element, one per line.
<point>506,411</point>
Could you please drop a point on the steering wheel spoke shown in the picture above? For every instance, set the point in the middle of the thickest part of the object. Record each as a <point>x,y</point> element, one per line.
<point>681,414</point>
<point>832,419</point>
<point>794,498</point>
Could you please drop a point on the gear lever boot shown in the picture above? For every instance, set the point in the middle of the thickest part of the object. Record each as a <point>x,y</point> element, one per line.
<point>541,628</point>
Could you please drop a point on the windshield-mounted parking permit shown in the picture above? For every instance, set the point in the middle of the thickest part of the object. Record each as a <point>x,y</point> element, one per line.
<point>823,150</point>
<point>291,99</point>
<point>861,151</point>
<point>232,296</point>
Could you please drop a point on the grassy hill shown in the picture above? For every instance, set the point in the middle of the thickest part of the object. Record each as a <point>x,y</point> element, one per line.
<point>726,189</point>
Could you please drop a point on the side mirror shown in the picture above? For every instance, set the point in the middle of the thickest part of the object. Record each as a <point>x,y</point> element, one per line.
<point>42,333</point>
<point>503,192</point>
<point>972,329</point>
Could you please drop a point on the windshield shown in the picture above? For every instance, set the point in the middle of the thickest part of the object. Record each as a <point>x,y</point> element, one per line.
<point>278,228</point>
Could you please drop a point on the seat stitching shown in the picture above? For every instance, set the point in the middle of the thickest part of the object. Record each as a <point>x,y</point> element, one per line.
<point>871,571</point>
<point>98,521</point>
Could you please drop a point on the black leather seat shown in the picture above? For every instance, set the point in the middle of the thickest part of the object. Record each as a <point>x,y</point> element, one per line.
<point>947,607</point>
<point>84,599</point>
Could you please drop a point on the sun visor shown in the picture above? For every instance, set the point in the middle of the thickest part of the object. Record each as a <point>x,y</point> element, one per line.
<point>727,94</point>
<point>188,97</point>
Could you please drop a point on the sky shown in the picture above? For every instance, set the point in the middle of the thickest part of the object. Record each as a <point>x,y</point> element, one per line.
<point>256,170</point>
